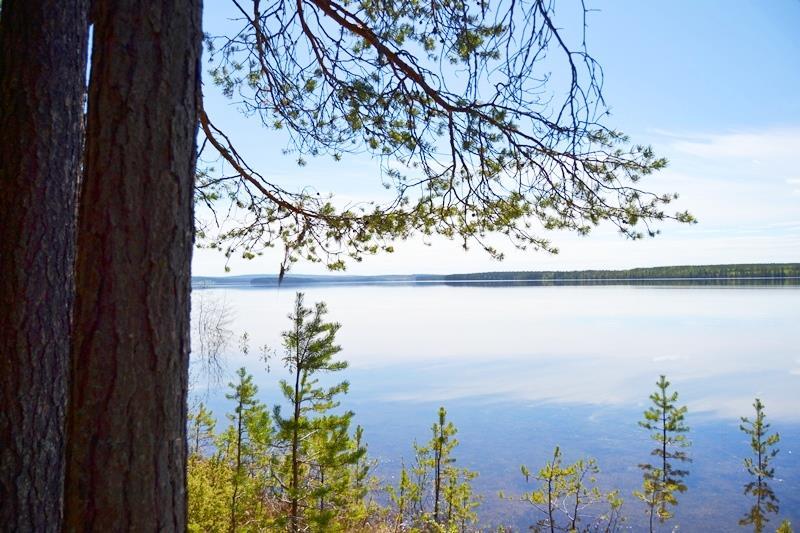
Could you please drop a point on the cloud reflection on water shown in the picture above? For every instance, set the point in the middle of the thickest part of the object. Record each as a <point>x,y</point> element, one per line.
<point>601,345</point>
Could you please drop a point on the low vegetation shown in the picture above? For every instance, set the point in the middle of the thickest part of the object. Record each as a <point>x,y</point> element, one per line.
<point>302,466</point>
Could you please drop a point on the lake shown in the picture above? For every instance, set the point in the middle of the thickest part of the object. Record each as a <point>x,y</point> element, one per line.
<point>524,368</point>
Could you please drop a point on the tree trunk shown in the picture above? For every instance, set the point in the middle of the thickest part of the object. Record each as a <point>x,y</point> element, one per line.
<point>238,474</point>
<point>42,85</point>
<point>294,519</point>
<point>437,477</point>
<point>126,447</point>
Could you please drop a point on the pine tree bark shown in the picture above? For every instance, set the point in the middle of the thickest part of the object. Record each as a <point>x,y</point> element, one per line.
<point>126,449</point>
<point>42,85</point>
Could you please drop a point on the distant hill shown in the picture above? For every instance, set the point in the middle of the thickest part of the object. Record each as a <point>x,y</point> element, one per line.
<point>765,271</point>
<point>222,280</point>
<point>290,280</point>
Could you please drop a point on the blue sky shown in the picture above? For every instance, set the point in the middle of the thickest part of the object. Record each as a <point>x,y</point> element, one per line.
<point>712,85</point>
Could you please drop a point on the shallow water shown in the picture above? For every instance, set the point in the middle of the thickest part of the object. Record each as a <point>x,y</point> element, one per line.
<point>523,368</point>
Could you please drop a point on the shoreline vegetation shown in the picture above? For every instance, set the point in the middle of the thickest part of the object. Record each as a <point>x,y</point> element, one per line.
<point>767,273</point>
<point>302,466</point>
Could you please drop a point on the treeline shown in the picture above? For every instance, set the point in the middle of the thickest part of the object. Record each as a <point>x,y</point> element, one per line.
<point>302,466</point>
<point>758,270</point>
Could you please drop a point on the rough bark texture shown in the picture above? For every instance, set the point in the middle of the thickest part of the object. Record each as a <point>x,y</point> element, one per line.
<point>126,448</point>
<point>42,83</point>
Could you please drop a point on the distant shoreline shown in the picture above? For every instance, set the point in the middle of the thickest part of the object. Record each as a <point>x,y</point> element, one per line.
<point>768,273</point>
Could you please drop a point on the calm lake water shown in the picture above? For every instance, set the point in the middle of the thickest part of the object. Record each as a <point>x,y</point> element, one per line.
<point>525,368</point>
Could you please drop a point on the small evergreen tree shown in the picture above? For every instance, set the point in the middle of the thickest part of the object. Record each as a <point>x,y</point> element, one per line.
<point>420,475</point>
<point>655,495</point>
<point>761,442</point>
<point>663,480</point>
<point>435,477</point>
<point>763,446</point>
<point>441,448</point>
<point>245,443</point>
<point>612,520</point>
<point>227,488</point>
<point>563,493</point>
<point>332,456</point>
<point>318,451</point>
<point>404,498</point>
<point>582,493</point>
<point>460,501</point>
<point>361,468</point>
<point>201,430</point>
<point>553,487</point>
<point>363,485</point>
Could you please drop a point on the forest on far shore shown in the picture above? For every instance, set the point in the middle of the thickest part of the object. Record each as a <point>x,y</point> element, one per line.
<point>756,270</point>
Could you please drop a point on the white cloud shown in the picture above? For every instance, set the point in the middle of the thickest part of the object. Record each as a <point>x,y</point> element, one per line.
<point>758,146</point>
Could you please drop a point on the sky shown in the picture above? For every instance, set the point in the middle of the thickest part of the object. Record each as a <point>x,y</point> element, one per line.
<point>712,85</point>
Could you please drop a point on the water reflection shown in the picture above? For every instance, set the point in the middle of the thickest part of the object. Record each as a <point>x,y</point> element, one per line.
<point>600,345</point>
<point>766,504</point>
